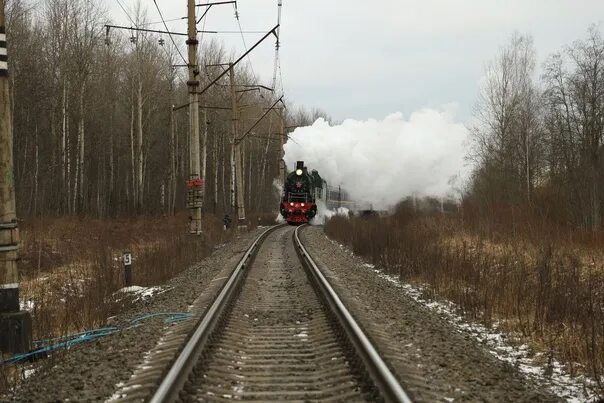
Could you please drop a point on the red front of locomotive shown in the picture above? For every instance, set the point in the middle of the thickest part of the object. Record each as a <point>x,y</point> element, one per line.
<point>298,212</point>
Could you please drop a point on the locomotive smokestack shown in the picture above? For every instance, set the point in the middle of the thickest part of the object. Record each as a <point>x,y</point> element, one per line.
<point>299,165</point>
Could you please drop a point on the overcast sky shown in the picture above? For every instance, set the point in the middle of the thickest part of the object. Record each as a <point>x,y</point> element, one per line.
<point>367,59</point>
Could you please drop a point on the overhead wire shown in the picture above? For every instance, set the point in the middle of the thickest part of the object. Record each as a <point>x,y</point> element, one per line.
<point>161,22</point>
<point>234,32</point>
<point>170,60</point>
<point>203,27</point>
<point>124,9</point>
<point>249,60</point>
<point>169,34</point>
<point>126,12</point>
<point>205,19</point>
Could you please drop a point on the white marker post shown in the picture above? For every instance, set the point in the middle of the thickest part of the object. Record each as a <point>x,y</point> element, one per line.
<point>127,259</point>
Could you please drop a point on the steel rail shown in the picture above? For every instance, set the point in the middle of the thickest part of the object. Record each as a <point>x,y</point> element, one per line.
<point>379,372</point>
<point>178,374</point>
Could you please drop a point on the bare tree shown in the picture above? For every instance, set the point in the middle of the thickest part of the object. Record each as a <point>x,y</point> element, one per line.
<point>575,99</point>
<point>507,134</point>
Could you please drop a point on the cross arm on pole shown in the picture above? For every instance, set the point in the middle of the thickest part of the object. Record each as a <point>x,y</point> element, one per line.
<point>259,86</point>
<point>272,31</point>
<point>209,6</point>
<point>145,30</point>
<point>215,3</point>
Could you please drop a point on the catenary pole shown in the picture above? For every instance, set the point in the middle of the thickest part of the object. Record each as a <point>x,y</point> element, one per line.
<point>281,151</point>
<point>236,171</point>
<point>195,185</point>
<point>15,325</point>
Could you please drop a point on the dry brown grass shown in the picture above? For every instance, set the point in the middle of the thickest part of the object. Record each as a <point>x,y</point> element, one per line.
<point>71,266</point>
<point>548,289</point>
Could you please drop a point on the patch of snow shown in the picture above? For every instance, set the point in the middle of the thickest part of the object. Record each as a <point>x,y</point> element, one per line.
<point>142,293</point>
<point>27,305</point>
<point>133,288</point>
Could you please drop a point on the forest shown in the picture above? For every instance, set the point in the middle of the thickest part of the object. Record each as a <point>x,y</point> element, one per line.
<point>99,123</point>
<point>537,136</point>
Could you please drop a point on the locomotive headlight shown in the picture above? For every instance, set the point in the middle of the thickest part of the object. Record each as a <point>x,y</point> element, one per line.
<point>302,204</point>
<point>291,204</point>
<point>298,172</point>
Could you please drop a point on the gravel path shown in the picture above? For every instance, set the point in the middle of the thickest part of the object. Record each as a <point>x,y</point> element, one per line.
<point>90,372</point>
<point>433,360</point>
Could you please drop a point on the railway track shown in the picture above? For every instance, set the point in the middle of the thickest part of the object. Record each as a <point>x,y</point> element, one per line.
<point>277,331</point>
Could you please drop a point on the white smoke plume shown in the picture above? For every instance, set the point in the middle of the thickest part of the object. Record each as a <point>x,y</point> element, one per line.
<point>323,213</point>
<point>383,161</point>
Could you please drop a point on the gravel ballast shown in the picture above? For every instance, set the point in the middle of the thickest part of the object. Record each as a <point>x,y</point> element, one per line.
<point>433,360</point>
<point>91,371</point>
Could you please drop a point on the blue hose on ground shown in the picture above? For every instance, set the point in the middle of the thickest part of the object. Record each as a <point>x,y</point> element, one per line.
<point>90,335</point>
<point>74,336</point>
<point>84,337</point>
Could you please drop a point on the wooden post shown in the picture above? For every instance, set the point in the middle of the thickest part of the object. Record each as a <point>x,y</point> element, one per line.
<point>15,325</point>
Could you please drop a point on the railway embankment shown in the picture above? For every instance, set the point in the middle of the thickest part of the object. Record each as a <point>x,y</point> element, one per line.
<point>73,284</point>
<point>537,288</point>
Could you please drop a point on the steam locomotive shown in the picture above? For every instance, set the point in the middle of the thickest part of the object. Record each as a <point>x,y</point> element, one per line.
<point>298,200</point>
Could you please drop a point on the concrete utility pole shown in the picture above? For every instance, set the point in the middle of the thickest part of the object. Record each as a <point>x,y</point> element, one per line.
<point>195,183</point>
<point>234,129</point>
<point>15,325</point>
<point>237,185</point>
<point>240,183</point>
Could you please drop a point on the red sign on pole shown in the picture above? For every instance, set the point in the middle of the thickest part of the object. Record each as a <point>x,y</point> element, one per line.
<point>194,183</point>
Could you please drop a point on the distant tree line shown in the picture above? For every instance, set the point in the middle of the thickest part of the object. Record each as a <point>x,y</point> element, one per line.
<point>94,126</point>
<point>537,141</point>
